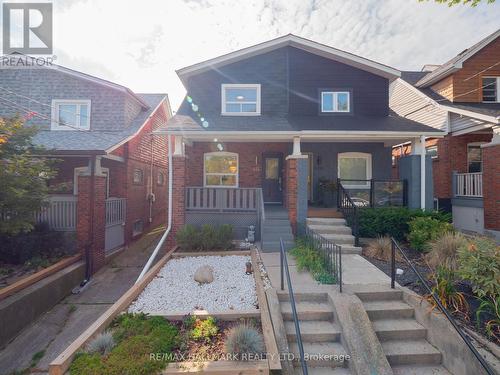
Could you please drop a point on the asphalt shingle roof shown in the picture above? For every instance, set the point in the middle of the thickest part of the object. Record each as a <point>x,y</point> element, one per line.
<point>73,140</point>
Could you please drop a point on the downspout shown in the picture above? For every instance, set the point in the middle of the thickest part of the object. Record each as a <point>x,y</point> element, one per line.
<point>90,240</point>
<point>169,225</point>
<point>151,196</point>
<point>422,172</point>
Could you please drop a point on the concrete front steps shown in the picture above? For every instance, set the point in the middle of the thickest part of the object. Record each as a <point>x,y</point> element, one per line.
<point>335,230</point>
<point>276,226</point>
<point>320,333</point>
<point>402,338</point>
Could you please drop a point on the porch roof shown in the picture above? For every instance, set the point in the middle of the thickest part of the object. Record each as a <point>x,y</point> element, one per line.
<point>265,125</point>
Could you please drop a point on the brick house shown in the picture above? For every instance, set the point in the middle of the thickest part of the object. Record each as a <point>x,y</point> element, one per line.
<point>462,98</point>
<point>111,184</point>
<point>262,130</point>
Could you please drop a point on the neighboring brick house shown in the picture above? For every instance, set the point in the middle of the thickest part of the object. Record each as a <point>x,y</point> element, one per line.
<point>270,123</point>
<point>111,184</point>
<point>462,98</point>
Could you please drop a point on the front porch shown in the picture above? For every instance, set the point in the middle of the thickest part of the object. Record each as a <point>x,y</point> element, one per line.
<point>226,181</point>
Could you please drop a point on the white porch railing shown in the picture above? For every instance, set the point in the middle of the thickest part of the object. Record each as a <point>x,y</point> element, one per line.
<point>222,199</point>
<point>115,211</point>
<point>60,213</point>
<point>469,185</point>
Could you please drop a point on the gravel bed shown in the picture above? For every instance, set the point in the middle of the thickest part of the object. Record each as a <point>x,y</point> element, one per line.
<point>174,289</point>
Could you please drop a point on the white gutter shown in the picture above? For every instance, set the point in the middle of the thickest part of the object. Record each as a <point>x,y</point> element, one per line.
<point>169,225</point>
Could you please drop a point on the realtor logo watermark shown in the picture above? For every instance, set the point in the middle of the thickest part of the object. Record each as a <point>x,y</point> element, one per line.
<point>27,31</point>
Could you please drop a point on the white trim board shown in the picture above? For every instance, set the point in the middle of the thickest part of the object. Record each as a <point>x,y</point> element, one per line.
<point>297,42</point>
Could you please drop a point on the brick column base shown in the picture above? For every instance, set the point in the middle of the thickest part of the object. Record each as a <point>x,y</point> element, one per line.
<point>91,224</point>
<point>291,191</point>
<point>491,186</point>
<point>178,197</point>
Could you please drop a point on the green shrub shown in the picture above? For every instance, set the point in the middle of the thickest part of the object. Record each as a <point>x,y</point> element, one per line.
<point>426,229</point>
<point>188,237</point>
<point>208,237</point>
<point>491,306</point>
<point>204,329</point>
<point>445,290</point>
<point>392,221</point>
<point>243,340</point>
<point>479,263</point>
<point>137,336</point>
<point>308,258</point>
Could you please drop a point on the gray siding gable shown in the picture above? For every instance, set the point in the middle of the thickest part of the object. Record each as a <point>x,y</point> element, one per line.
<point>110,109</point>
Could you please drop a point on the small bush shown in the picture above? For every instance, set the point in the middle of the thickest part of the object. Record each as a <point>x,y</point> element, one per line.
<point>392,221</point>
<point>490,306</point>
<point>426,229</point>
<point>243,340</point>
<point>444,250</point>
<point>204,329</point>
<point>103,343</point>
<point>444,288</point>
<point>479,263</point>
<point>206,238</point>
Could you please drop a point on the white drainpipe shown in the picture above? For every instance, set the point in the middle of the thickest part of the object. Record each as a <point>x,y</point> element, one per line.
<point>422,172</point>
<point>169,225</point>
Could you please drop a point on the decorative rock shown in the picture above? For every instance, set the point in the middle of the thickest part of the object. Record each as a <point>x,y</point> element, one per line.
<point>204,275</point>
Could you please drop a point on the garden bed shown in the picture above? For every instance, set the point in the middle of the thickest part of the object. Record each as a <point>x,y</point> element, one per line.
<point>164,341</point>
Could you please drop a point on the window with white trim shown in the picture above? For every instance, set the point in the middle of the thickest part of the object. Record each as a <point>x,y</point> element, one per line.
<point>240,99</point>
<point>474,157</point>
<point>491,89</point>
<point>432,151</point>
<point>70,114</point>
<point>355,168</point>
<point>335,101</point>
<point>220,169</point>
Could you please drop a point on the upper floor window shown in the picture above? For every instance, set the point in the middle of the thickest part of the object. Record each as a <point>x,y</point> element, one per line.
<point>335,101</point>
<point>221,169</point>
<point>70,114</point>
<point>491,89</point>
<point>241,99</point>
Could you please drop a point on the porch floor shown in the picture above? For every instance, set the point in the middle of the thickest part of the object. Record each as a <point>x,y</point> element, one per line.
<point>324,212</point>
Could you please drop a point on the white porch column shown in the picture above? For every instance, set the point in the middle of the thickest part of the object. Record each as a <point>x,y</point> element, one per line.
<point>178,146</point>
<point>296,146</point>
<point>418,148</point>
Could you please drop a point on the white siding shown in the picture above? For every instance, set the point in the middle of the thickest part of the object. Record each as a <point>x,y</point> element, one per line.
<point>459,123</point>
<point>408,103</point>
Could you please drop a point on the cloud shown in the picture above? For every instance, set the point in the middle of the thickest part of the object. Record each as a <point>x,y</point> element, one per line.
<point>140,44</point>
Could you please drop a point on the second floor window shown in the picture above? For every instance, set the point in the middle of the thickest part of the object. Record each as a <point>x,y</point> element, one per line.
<point>70,114</point>
<point>335,101</point>
<point>491,89</point>
<point>241,99</point>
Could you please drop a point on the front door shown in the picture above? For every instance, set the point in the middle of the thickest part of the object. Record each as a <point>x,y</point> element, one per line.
<point>272,165</point>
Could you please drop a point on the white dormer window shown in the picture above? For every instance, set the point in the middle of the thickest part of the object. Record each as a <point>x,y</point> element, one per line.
<point>335,101</point>
<point>241,99</point>
<point>70,114</point>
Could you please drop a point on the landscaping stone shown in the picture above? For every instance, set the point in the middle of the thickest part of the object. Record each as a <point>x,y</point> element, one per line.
<point>204,275</point>
<point>174,289</point>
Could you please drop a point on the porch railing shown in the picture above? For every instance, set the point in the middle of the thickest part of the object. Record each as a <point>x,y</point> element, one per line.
<point>350,211</point>
<point>468,184</point>
<point>376,193</point>
<point>115,211</point>
<point>60,213</point>
<point>222,199</point>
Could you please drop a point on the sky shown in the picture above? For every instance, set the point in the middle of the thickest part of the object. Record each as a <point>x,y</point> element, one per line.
<point>140,44</point>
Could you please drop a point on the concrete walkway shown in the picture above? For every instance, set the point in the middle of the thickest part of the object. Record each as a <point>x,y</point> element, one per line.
<point>356,270</point>
<point>56,329</point>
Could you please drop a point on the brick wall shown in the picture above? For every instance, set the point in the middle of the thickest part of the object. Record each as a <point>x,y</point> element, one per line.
<point>291,192</point>
<point>491,187</point>
<point>465,84</point>
<point>178,196</point>
<point>249,158</point>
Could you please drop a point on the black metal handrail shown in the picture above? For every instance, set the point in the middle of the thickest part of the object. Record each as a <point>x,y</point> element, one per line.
<point>330,252</point>
<point>350,211</point>
<point>394,246</point>
<point>286,271</point>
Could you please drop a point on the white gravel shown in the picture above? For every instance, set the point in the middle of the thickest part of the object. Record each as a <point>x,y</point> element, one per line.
<point>174,290</point>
